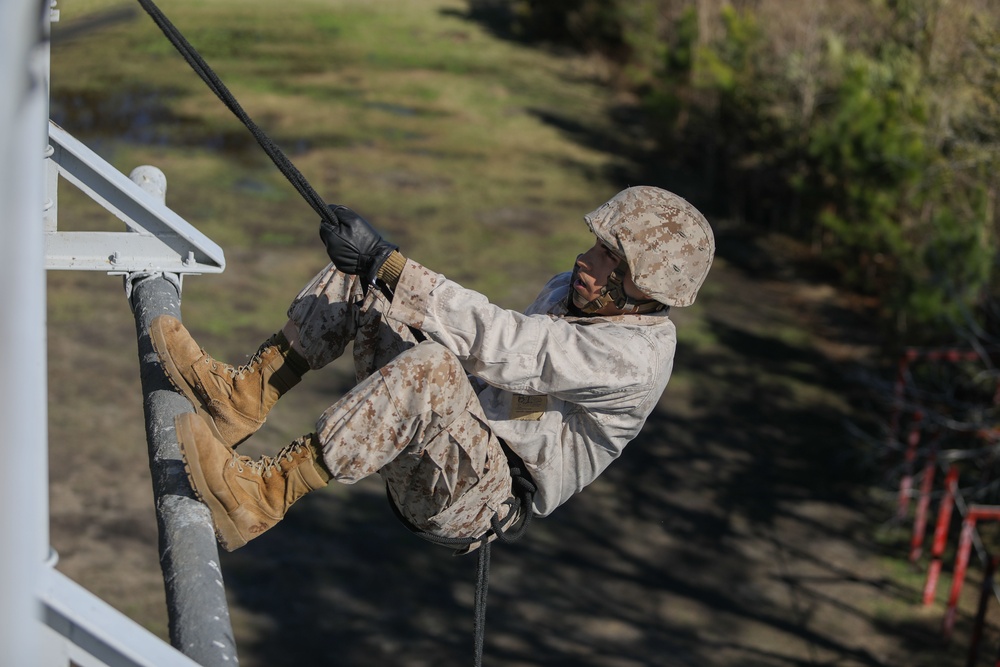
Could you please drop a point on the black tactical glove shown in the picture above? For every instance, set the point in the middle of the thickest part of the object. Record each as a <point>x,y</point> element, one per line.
<point>353,245</point>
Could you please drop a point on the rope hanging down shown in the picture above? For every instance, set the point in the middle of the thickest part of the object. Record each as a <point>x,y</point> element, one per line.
<point>199,65</point>
<point>509,530</point>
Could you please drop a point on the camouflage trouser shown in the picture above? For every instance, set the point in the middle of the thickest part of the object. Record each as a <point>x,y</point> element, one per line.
<point>413,417</point>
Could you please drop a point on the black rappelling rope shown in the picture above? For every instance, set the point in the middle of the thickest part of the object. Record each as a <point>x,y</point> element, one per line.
<point>507,530</point>
<point>300,183</point>
<point>199,65</point>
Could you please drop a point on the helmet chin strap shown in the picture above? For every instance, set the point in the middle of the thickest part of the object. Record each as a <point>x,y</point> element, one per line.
<point>614,293</point>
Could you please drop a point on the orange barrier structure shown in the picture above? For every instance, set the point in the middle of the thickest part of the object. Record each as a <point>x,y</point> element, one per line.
<point>984,599</point>
<point>941,533</point>
<point>975,514</point>
<point>923,503</point>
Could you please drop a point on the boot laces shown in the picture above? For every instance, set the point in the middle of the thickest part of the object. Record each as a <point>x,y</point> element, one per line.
<point>289,451</point>
<point>249,366</point>
<point>266,464</point>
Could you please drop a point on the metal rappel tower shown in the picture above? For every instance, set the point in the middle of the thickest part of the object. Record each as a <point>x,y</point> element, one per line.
<point>48,619</point>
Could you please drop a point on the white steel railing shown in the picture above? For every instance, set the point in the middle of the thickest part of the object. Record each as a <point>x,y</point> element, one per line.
<point>47,619</point>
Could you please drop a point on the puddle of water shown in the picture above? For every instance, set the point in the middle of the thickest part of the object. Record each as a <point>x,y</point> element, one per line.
<point>402,110</point>
<point>139,116</point>
<point>142,116</point>
<point>133,116</point>
<point>394,109</point>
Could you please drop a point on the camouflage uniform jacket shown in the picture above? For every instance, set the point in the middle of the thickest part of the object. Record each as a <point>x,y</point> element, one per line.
<point>565,393</point>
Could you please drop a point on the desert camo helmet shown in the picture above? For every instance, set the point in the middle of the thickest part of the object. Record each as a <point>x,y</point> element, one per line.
<point>667,243</point>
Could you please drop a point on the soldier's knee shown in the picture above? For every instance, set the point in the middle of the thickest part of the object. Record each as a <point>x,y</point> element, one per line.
<point>431,370</point>
<point>435,357</point>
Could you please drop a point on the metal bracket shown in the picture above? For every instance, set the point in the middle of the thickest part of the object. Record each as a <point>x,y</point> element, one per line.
<point>157,240</point>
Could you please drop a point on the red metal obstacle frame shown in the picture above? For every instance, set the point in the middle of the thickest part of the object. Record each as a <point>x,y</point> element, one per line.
<point>923,504</point>
<point>977,627</point>
<point>975,514</point>
<point>940,533</point>
<point>910,355</point>
<point>951,497</point>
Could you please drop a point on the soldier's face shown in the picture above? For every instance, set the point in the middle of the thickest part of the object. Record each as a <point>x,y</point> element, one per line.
<point>590,276</point>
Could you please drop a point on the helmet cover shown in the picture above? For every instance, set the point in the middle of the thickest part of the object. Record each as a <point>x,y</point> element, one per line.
<point>667,243</point>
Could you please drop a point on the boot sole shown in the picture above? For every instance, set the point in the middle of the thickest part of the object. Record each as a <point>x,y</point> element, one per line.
<point>225,530</point>
<point>172,371</point>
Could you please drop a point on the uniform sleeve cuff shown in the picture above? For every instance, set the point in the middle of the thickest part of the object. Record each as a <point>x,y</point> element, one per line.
<point>411,298</point>
<point>391,269</point>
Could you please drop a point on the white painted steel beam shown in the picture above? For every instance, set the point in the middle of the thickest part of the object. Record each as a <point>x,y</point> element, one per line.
<point>159,240</point>
<point>23,399</point>
<point>47,620</point>
<point>86,631</point>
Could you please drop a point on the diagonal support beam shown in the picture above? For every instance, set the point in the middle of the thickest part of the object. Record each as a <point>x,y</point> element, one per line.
<point>158,239</point>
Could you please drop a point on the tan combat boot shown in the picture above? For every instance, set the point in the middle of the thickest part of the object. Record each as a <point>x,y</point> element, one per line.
<point>246,496</point>
<point>234,401</point>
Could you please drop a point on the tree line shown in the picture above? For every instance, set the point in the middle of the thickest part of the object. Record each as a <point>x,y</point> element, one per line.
<point>869,129</point>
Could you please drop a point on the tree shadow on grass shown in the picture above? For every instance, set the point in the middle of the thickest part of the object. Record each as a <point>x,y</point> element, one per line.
<point>671,558</point>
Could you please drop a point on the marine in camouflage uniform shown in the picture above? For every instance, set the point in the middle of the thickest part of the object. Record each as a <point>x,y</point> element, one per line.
<point>451,388</point>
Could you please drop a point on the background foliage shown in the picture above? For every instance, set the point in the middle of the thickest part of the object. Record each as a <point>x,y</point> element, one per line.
<point>868,128</point>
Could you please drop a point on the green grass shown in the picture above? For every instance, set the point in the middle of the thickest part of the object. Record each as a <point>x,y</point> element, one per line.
<point>416,118</point>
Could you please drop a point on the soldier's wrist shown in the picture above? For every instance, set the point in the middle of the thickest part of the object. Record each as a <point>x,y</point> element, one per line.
<point>391,269</point>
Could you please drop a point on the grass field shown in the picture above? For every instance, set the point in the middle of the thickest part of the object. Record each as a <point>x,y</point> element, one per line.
<point>447,138</point>
<point>738,530</point>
